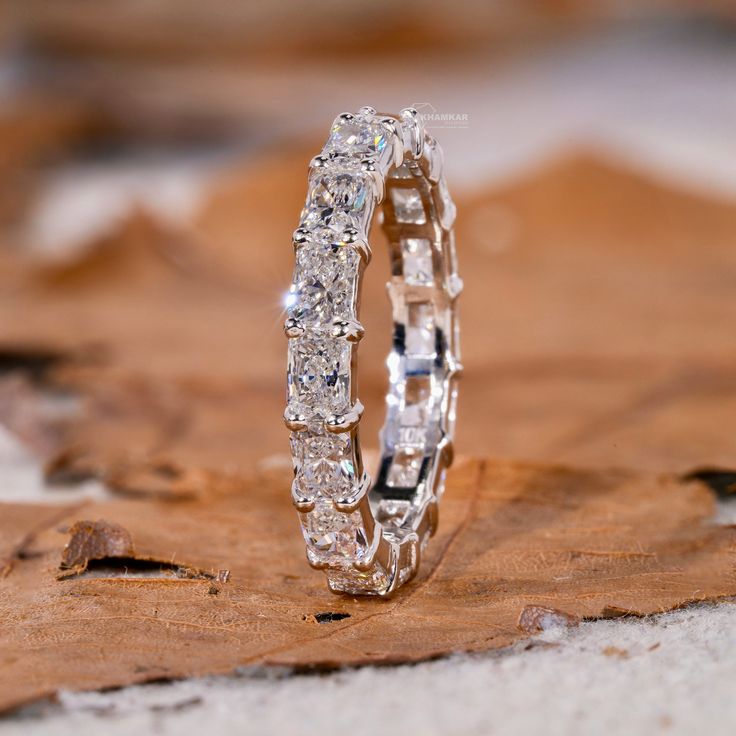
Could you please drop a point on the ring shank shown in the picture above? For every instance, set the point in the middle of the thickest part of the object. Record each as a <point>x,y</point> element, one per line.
<point>369,539</point>
<point>422,364</point>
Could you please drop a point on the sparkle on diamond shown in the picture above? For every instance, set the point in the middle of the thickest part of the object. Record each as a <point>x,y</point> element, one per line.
<point>363,136</point>
<point>324,283</point>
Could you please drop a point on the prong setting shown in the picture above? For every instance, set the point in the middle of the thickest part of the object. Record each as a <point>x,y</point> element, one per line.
<point>348,329</point>
<point>294,421</point>
<point>301,502</point>
<point>397,140</point>
<point>348,504</point>
<point>370,166</point>
<point>413,129</point>
<point>293,328</point>
<point>339,423</point>
<point>300,236</point>
<point>351,236</point>
<point>319,162</point>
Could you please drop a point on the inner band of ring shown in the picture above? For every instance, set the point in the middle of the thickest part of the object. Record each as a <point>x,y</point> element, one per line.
<point>398,512</point>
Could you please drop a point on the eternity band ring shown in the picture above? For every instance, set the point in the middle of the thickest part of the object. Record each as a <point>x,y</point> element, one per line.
<point>368,536</point>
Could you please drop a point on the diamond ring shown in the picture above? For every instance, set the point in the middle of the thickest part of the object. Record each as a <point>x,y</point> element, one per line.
<point>368,536</point>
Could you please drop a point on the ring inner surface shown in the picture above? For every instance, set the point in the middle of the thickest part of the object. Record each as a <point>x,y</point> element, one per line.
<point>421,395</point>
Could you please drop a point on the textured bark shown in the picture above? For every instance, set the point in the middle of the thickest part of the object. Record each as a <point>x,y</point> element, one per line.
<point>513,538</point>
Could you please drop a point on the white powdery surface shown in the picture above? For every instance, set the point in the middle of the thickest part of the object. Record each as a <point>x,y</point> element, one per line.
<point>670,674</point>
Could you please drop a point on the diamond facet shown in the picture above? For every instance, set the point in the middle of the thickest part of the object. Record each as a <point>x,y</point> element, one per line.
<point>324,463</point>
<point>375,581</point>
<point>337,200</point>
<point>324,283</point>
<point>363,135</point>
<point>319,375</point>
<point>334,537</point>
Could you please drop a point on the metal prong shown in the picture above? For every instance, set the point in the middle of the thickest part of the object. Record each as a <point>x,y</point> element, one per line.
<point>350,236</point>
<point>293,420</point>
<point>293,328</point>
<point>301,235</point>
<point>319,162</point>
<point>414,126</point>
<point>370,166</point>
<point>454,286</point>
<point>346,116</point>
<point>340,423</point>
<point>447,215</point>
<point>367,110</point>
<point>454,366</point>
<point>397,141</point>
<point>348,504</point>
<point>315,563</point>
<point>367,562</point>
<point>446,451</point>
<point>348,329</point>
<point>431,162</point>
<point>300,501</point>
<point>433,516</point>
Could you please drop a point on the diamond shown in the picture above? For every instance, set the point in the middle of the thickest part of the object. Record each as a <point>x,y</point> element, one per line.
<point>319,375</point>
<point>420,333</point>
<point>417,255</point>
<point>375,581</point>
<point>362,135</point>
<point>408,207</point>
<point>336,200</point>
<point>339,190</point>
<point>324,463</point>
<point>334,537</point>
<point>324,283</point>
<point>405,468</point>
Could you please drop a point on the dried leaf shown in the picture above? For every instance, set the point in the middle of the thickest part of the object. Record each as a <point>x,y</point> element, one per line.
<point>513,538</point>
<point>95,540</point>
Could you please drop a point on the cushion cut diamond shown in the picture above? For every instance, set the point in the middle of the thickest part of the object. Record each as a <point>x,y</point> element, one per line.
<point>324,283</point>
<point>362,135</point>
<point>334,537</point>
<point>319,375</point>
<point>324,463</point>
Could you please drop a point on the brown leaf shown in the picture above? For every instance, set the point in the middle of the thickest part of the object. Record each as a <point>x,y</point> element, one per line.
<point>95,540</point>
<point>512,536</point>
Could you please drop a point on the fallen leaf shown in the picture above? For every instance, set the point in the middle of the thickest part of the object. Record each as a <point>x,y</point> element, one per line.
<point>95,540</point>
<point>513,536</point>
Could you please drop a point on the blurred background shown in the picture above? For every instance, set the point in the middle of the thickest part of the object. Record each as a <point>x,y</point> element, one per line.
<point>153,164</point>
